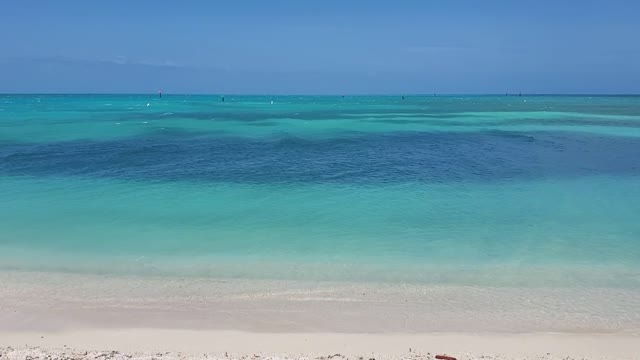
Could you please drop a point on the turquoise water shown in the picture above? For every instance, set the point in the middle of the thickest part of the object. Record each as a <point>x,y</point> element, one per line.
<point>484,190</point>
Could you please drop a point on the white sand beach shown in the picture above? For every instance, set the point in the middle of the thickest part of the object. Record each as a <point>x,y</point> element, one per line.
<point>49,315</point>
<point>179,344</point>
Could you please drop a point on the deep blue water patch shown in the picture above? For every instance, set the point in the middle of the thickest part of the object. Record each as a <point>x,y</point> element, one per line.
<point>371,158</point>
<point>366,158</point>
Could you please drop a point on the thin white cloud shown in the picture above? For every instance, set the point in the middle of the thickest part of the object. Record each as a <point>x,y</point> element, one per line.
<point>117,60</point>
<point>124,60</point>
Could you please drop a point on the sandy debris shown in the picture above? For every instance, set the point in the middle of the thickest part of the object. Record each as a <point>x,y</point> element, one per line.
<point>39,353</point>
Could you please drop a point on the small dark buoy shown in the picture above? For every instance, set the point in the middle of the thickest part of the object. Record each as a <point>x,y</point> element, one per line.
<point>223,99</point>
<point>403,98</point>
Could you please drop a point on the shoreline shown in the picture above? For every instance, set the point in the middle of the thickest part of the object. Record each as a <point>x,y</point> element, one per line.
<point>55,301</point>
<point>60,316</point>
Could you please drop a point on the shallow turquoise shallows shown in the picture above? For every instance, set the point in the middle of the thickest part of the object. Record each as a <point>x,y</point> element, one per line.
<point>465,190</point>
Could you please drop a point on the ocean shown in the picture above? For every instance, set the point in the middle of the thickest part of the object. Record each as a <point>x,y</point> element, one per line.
<point>463,190</point>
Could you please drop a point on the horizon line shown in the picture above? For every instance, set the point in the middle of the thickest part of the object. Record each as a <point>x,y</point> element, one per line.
<point>504,94</point>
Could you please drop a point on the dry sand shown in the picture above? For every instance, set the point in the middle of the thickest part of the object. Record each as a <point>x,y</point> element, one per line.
<point>172,343</point>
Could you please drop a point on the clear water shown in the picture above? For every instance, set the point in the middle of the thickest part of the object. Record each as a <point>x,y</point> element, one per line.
<point>486,190</point>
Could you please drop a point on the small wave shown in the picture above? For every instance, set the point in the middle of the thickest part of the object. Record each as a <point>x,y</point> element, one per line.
<point>168,113</point>
<point>512,135</point>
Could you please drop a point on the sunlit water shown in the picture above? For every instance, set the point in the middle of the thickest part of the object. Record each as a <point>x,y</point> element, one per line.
<point>526,191</point>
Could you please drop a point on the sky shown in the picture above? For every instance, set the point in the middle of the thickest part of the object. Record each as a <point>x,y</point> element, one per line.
<point>320,47</point>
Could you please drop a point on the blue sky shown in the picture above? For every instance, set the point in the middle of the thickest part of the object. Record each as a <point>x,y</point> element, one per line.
<point>330,46</point>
